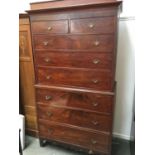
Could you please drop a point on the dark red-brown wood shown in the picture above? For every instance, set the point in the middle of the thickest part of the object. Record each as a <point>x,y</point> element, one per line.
<point>82,78</point>
<point>74,59</point>
<point>50,27</point>
<point>79,13</point>
<point>74,42</point>
<point>82,138</point>
<point>62,4</point>
<point>74,48</point>
<point>96,25</point>
<point>97,103</point>
<point>78,118</point>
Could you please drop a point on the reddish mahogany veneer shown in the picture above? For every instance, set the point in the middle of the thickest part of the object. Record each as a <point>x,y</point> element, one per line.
<point>85,78</point>
<point>74,136</point>
<point>74,49</point>
<point>73,59</point>
<point>76,100</point>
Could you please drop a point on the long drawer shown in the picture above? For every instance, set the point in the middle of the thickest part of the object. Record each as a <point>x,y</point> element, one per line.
<point>74,42</point>
<point>83,78</point>
<point>74,136</point>
<point>76,100</point>
<point>75,117</point>
<point>74,59</point>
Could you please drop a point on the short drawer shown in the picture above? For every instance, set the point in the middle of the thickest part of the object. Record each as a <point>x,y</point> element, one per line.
<point>74,59</point>
<point>76,100</point>
<point>93,25</point>
<point>85,139</point>
<point>82,78</point>
<point>48,27</point>
<point>75,117</point>
<point>74,42</point>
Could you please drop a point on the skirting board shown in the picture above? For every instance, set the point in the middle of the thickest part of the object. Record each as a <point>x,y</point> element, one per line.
<point>121,136</point>
<point>126,18</point>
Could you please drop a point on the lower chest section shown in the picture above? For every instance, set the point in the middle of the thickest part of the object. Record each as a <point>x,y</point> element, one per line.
<point>82,119</point>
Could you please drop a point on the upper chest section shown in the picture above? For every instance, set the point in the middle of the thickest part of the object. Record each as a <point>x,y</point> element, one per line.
<point>75,21</point>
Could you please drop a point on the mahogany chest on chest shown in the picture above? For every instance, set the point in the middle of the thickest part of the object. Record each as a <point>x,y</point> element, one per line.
<point>74,49</point>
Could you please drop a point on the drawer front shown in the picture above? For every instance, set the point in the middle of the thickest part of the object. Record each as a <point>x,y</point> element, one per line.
<point>74,42</point>
<point>85,139</point>
<point>76,100</point>
<point>31,122</point>
<point>49,27</point>
<point>75,117</point>
<point>71,59</point>
<point>93,25</point>
<point>92,79</point>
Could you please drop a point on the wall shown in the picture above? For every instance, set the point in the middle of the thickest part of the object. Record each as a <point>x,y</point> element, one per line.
<point>124,70</point>
<point>125,79</point>
<point>125,73</point>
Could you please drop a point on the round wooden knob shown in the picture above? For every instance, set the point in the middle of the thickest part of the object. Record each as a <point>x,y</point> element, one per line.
<point>95,81</point>
<point>95,122</point>
<point>95,104</point>
<point>50,131</point>
<point>91,25</point>
<point>96,61</point>
<point>48,97</point>
<point>45,43</point>
<point>96,43</point>
<point>93,141</point>
<point>49,113</point>
<point>47,60</point>
<point>49,28</point>
<point>48,77</point>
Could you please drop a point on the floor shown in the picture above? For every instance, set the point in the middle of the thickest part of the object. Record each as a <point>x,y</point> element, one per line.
<point>119,147</point>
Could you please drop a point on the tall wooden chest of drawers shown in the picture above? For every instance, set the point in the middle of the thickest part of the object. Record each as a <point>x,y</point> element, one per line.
<point>74,48</point>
